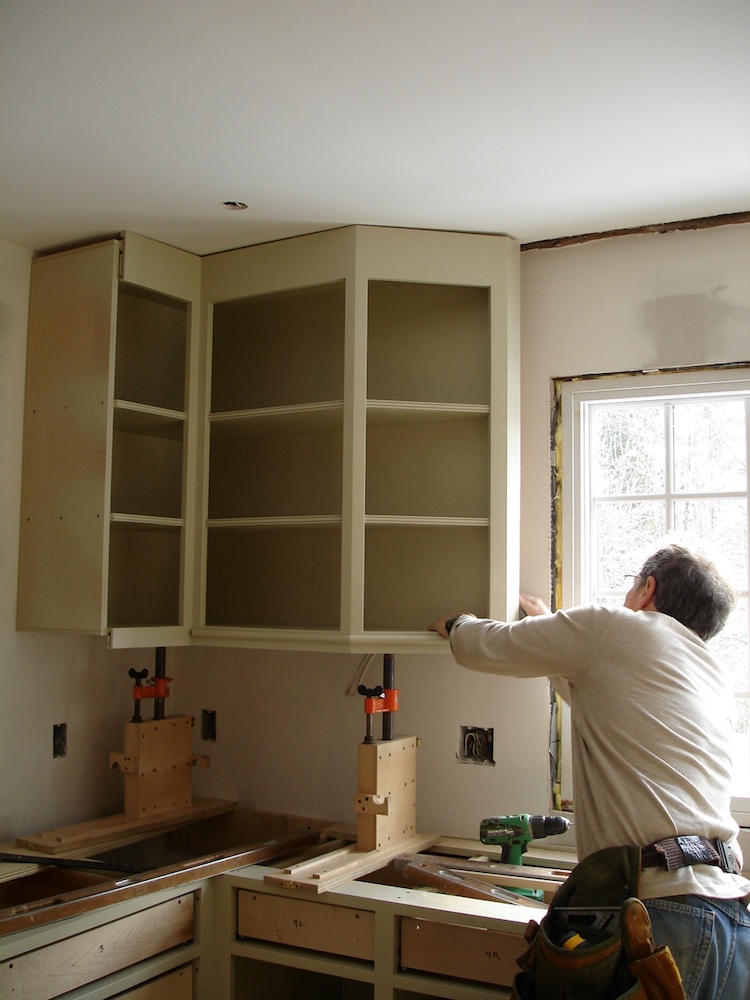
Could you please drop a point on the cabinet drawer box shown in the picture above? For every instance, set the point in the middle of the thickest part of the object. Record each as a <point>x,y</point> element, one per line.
<point>338,930</point>
<point>66,965</point>
<point>177,985</point>
<point>486,956</point>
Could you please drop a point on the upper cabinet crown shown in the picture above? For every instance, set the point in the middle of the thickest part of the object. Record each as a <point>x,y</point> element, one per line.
<point>356,463</point>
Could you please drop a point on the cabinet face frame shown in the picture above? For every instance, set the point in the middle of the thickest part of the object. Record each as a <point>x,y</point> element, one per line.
<point>357,256</point>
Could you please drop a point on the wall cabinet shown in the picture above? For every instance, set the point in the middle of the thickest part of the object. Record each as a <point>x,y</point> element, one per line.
<point>333,465</point>
<point>362,438</point>
<point>108,477</point>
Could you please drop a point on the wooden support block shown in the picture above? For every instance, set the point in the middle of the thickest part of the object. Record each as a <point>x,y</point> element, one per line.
<point>157,766</point>
<point>386,803</point>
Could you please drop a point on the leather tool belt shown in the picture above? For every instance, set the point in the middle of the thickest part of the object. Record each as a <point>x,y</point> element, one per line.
<point>678,852</point>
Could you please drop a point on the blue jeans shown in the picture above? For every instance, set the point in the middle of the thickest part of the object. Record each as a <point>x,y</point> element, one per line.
<point>710,942</point>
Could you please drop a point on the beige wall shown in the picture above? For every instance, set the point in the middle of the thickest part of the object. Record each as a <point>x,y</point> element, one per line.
<point>287,731</point>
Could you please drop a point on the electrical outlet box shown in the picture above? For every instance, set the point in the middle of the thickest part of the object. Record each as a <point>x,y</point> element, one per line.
<point>60,739</point>
<point>475,745</point>
<point>208,725</point>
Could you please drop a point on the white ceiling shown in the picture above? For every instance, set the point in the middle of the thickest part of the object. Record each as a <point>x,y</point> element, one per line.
<point>536,118</point>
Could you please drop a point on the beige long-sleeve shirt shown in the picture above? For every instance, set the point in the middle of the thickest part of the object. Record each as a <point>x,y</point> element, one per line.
<point>651,720</point>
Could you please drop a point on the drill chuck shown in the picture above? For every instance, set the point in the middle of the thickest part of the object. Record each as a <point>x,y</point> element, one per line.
<point>547,826</point>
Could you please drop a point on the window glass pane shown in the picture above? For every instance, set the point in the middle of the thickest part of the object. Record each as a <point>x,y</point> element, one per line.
<point>709,446</point>
<point>741,757</point>
<point>628,450</point>
<point>624,533</point>
<point>730,646</point>
<point>722,525</point>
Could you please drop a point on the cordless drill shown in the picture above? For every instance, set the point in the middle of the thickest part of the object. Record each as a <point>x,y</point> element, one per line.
<point>514,833</point>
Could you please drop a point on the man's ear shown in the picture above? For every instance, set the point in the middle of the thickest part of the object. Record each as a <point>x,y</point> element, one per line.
<point>647,594</point>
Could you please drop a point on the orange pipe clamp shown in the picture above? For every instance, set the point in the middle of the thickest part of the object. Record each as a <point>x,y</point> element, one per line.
<point>387,701</point>
<point>155,688</point>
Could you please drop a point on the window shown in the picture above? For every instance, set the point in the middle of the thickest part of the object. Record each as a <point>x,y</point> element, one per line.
<point>644,458</point>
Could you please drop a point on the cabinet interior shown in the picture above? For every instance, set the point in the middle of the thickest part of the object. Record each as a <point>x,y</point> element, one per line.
<point>150,360</point>
<point>148,459</point>
<point>279,349</point>
<point>277,468</point>
<point>428,342</point>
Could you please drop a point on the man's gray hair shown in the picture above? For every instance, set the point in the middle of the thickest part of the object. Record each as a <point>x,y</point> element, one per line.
<point>690,588</point>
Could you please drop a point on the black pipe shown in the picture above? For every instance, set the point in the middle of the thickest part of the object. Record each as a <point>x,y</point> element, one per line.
<point>160,672</point>
<point>389,683</point>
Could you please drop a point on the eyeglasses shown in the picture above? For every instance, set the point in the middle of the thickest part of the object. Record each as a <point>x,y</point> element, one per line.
<point>633,577</point>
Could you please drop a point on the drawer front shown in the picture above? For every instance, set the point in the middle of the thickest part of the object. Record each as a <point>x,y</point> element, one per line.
<point>57,968</point>
<point>338,930</point>
<point>177,985</point>
<point>486,956</point>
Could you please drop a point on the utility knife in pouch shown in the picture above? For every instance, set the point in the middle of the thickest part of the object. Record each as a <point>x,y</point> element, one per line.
<point>594,942</point>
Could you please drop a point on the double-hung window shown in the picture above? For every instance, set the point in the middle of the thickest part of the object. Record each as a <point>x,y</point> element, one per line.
<point>648,458</point>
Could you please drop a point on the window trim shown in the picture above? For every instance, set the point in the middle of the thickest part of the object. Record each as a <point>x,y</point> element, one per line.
<point>570,515</point>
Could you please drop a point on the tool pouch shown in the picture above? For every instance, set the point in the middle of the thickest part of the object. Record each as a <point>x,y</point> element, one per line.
<point>594,943</point>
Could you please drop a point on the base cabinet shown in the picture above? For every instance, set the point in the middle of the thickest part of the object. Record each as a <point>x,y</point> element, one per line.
<point>145,954</point>
<point>236,937</point>
<point>366,941</point>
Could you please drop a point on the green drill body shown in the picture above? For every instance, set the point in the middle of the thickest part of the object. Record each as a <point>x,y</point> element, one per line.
<point>513,834</point>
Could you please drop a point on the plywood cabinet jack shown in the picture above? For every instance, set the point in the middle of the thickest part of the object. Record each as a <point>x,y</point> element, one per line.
<point>157,764</point>
<point>158,760</point>
<point>385,803</point>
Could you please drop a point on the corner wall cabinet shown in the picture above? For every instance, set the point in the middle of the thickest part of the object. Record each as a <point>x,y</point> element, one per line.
<point>355,470</point>
<point>107,489</point>
<point>362,442</point>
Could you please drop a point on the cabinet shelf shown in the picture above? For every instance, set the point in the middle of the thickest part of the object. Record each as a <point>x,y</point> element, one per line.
<point>431,522</point>
<point>144,522</point>
<point>141,417</point>
<point>277,419</point>
<point>383,412</point>
<point>312,520</point>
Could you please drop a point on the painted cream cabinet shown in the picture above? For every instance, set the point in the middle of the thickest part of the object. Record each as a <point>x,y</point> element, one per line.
<point>108,480</point>
<point>361,448</point>
<point>307,444</point>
